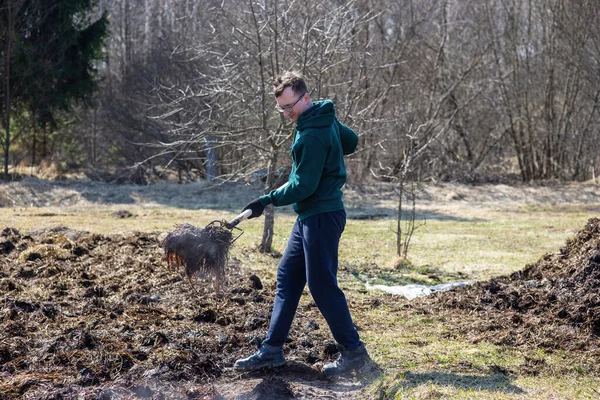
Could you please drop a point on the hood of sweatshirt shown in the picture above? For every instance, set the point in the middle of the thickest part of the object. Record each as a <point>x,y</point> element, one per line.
<point>320,115</point>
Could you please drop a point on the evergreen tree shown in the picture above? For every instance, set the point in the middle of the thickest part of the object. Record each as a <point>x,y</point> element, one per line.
<point>49,52</point>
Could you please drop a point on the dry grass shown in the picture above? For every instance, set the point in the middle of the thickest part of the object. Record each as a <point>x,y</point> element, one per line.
<point>420,357</point>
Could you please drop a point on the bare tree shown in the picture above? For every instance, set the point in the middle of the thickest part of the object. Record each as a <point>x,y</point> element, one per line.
<point>516,79</point>
<point>539,85</point>
<point>231,100</point>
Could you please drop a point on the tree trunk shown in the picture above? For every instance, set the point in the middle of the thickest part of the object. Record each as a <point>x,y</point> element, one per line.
<point>267,237</point>
<point>33,150</point>
<point>44,151</point>
<point>399,216</point>
<point>211,158</point>
<point>147,34</point>
<point>8,99</point>
<point>93,140</point>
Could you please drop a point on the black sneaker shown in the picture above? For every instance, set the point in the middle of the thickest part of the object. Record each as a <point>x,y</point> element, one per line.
<point>347,361</point>
<point>266,356</point>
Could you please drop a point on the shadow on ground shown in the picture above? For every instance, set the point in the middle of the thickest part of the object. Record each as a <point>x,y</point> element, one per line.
<point>364,212</point>
<point>494,382</point>
<point>402,275</point>
<point>33,192</point>
<point>298,380</point>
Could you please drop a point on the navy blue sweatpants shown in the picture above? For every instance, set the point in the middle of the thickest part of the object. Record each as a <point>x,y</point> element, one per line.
<point>311,256</point>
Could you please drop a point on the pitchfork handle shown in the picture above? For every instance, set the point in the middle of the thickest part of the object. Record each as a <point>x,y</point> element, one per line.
<point>245,214</point>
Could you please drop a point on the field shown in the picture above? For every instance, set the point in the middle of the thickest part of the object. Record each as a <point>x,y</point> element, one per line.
<point>91,310</point>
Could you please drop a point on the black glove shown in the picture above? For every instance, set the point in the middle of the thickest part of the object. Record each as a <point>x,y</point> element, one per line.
<point>256,207</point>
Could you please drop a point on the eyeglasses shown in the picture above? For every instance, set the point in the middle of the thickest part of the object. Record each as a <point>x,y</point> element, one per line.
<point>289,108</point>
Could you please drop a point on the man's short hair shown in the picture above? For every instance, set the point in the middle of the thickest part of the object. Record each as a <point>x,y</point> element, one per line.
<point>293,79</point>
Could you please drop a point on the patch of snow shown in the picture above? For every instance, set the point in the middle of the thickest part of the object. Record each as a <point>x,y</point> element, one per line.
<point>413,291</point>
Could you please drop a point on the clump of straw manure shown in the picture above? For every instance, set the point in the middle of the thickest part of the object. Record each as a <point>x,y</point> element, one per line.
<point>200,251</point>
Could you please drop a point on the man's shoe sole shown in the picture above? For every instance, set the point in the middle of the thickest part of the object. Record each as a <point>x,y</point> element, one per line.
<point>337,372</point>
<point>260,366</point>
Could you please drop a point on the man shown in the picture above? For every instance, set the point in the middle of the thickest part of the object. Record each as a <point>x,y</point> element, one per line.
<point>311,256</point>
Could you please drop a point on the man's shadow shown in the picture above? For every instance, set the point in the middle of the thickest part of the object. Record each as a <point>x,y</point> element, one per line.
<point>275,381</point>
<point>494,382</point>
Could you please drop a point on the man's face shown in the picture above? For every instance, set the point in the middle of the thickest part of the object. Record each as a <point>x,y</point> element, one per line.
<point>289,98</point>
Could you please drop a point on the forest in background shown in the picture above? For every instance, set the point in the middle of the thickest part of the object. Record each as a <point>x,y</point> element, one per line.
<point>143,90</point>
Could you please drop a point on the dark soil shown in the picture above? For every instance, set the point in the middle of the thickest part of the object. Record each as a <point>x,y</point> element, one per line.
<point>90,316</point>
<point>553,304</point>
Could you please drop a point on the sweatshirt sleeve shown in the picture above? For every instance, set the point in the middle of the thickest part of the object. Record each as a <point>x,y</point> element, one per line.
<point>309,155</point>
<point>348,138</point>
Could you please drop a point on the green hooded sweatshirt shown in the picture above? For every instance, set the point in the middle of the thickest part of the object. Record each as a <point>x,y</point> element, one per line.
<point>318,170</point>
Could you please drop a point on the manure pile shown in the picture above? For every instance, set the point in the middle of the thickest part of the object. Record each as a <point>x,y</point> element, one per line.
<point>552,304</point>
<point>91,316</point>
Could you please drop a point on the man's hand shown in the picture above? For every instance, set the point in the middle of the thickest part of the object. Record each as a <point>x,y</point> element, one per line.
<point>256,207</point>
